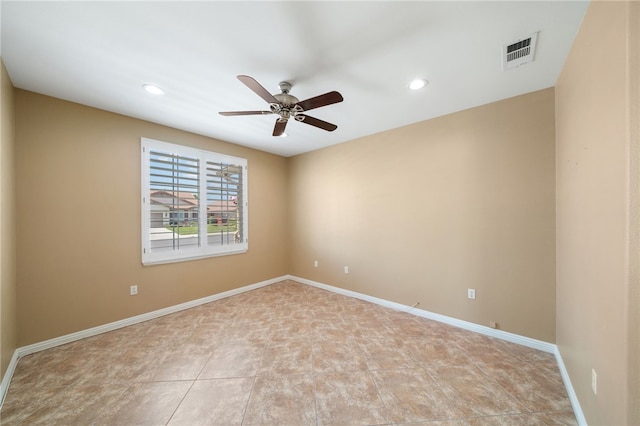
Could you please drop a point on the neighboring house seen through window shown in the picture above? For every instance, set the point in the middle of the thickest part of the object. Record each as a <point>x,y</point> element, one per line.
<point>194,203</point>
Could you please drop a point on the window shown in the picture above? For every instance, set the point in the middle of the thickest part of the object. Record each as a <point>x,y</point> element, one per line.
<point>194,203</point>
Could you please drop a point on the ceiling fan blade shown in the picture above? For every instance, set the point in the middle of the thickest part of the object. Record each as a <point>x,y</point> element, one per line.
<point>278,130</point>
<point>318,123</point>
<point>321,100</point>
<point>245,113</point>
<point>252,84</point>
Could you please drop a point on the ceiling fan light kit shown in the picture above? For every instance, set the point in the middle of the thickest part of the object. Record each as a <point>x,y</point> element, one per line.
<point>287,106</point>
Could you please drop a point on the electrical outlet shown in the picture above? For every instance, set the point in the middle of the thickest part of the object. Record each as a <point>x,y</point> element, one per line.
<point>315,263</point>
<point>594,381</point>
<point>493,324</point>
<point>133,290</point>
<point>471,293</point>
<point>346,269</point>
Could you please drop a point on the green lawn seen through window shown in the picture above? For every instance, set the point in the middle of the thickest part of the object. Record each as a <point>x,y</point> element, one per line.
<point>211,229</point>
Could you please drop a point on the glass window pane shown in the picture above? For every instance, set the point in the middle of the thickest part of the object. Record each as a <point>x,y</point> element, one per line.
<point>173,201</point>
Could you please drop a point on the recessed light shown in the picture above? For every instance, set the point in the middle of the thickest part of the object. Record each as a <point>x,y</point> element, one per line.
<point>154,90</point>
<point>284,135</point>
<point>418,84</point>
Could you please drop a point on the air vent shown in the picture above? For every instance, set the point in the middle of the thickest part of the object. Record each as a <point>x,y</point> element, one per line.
<point>519,53</point>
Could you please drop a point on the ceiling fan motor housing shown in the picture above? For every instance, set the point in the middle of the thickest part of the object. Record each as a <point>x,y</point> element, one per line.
<point>287,106</point>
<point>286,99</point>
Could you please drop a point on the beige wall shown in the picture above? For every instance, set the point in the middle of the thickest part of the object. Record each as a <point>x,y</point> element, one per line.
<point>424,212</point>
<point>8,324</point>
<point>597,212</point>
<point>78,221</point>
<point>419,214</point>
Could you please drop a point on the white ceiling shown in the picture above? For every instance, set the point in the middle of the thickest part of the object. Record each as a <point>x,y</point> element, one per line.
<point>101,53</point>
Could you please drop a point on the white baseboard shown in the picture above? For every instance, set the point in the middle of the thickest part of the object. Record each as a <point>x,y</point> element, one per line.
<point>510,337</point>
<point>62,340</point>
<point>6,379</point>
<point>575,404</point>
<point>488,331</point>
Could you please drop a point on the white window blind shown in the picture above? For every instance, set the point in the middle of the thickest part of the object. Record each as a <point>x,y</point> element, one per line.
<point>194,203</point>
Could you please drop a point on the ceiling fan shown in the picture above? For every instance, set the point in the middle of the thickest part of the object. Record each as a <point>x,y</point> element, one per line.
<point>288,106</point>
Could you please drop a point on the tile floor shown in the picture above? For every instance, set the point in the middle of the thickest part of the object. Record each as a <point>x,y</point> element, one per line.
<point>288,354</point>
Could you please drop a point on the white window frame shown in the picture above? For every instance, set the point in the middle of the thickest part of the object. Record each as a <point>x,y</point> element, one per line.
<point>204,249</point>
